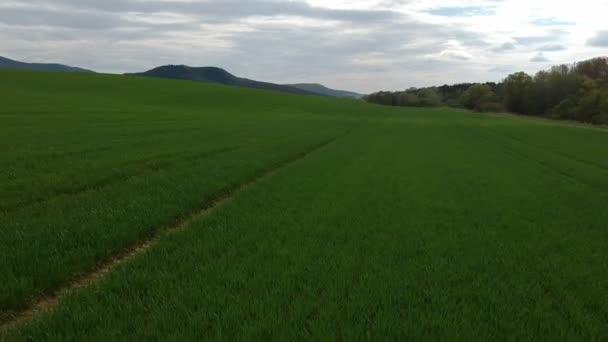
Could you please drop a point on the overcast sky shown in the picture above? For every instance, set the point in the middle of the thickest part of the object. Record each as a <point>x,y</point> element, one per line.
<point>362,45</point>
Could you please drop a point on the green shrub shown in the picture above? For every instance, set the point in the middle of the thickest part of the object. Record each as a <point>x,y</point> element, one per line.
<point>495,107</point>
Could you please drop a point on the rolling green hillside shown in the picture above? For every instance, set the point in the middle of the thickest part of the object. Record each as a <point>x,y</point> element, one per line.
<point>139,208</point>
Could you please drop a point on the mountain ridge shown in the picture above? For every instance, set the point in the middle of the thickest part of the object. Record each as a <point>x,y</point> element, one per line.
<point>217,75</point>
<point>10,64</point>
<point>321,89</point>
<point>207,74</point>
<point>211,74</point>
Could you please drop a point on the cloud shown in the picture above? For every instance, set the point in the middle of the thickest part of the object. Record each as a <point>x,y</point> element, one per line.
<point>599,40</point>
<point>551,22</point>
<point>272,40</point>
<point>468,11</point>
<point>460,55</point>
<point>532,40</point>
<point>539,57</point>
<point>502,69</point>
<point>221,10</point>
<point>552,47</point>
<point>503,47</point>
<point>454,50</point>
<point>360,44</point>
<point>85,20</point>
<point>547,37</point>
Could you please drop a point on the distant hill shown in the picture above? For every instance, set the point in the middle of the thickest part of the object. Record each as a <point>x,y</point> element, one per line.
<point>219,76</point>
<point>321,89</point>
<point>6,63</point>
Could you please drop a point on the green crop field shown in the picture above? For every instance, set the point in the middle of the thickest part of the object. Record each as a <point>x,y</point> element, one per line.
<point>339,220</point>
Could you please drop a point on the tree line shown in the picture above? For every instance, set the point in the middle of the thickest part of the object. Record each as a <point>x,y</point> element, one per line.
<point>569,92</point>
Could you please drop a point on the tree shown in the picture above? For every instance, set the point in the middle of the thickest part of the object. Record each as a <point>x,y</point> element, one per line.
<point>595,69</point>
<point>516,88</point>
<point>573,92</point>
<point>478,96</point>
<point>382,97</point>
<point>590,104</point>
<point>408,100</point>
<point>429,97</point>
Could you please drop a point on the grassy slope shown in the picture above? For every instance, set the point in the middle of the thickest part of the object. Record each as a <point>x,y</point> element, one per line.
<point>418,223</point>
<point>91,164</point>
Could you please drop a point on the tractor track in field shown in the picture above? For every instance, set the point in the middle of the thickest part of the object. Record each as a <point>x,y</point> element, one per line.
<point>48,302</point>
<point>551,168</point>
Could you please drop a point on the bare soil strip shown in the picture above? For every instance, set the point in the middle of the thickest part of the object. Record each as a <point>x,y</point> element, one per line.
<point>48,302</point>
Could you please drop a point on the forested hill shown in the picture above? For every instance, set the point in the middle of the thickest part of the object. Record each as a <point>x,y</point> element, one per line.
<point>10,64</point>
<point>219,76</point>
<point>570,92</point>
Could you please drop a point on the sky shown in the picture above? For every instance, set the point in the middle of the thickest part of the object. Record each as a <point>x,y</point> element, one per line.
<point>360,45</point>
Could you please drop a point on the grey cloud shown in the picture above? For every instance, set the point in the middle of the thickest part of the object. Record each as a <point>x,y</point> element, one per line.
<point>302,52</point>
<point>76,21</point>
<point>225,9</point>
<point>113,16</point>
<point>599,40</point>
<point>549,37</point>
<point>531,40</point>
<point>539,57</point>
<point>502,69</point>
<point>104,36</point>
<point>503,47</point>
<point>552,47</point>
<point>456,55</point>
<point>24,16</point>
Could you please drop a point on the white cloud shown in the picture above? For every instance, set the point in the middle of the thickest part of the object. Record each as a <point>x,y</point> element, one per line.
<point>453,49</point>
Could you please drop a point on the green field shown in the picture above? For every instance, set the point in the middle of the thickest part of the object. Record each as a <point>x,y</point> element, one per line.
<point>344,220</point>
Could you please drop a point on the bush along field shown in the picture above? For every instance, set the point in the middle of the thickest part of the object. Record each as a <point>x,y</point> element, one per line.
<point>299,217</point>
